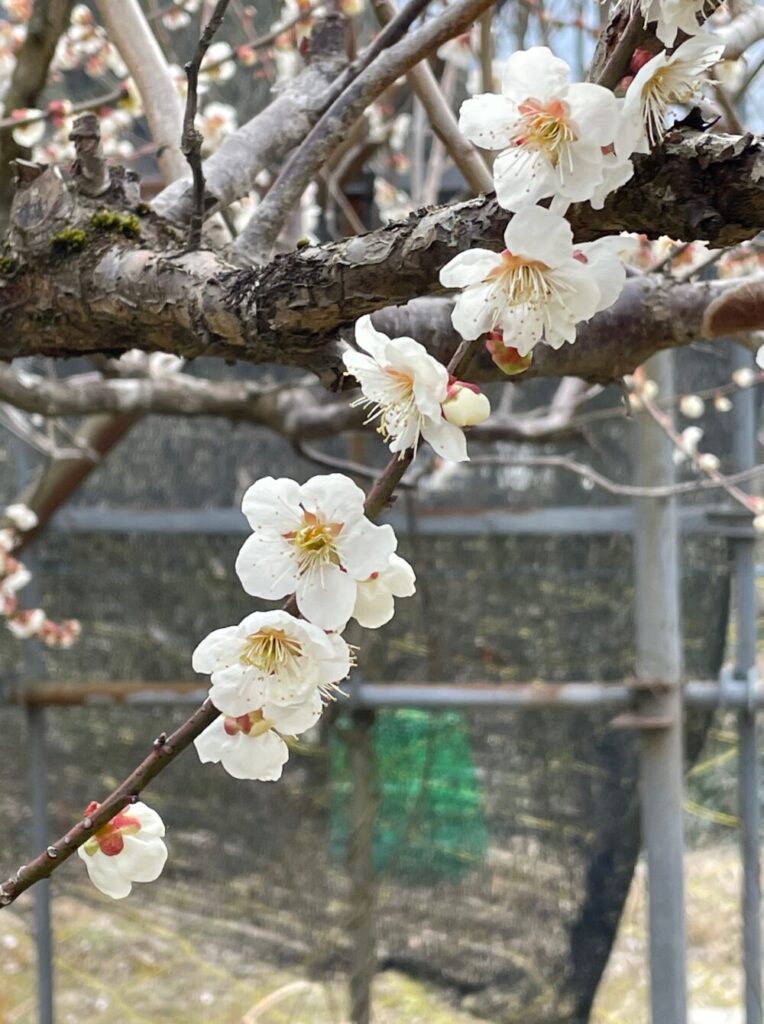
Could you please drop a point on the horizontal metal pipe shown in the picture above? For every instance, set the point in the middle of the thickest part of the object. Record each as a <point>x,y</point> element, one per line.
<point>521,696</point>
<point>552,521</point>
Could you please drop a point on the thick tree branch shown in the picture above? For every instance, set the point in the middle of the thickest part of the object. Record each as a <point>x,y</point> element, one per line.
<point>117,295</point>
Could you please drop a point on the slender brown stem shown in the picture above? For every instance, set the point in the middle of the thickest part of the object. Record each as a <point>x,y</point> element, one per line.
<point>166,749</point>
<point>192,139</point>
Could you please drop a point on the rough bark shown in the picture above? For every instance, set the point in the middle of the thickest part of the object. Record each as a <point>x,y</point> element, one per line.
<point>117,293</point>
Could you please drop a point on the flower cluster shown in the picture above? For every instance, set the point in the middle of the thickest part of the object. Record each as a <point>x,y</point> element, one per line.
<point>565,142</point>
<point>271,675</point>
<point>14,576</point>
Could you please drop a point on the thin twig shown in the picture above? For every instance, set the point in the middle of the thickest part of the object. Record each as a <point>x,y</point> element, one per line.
<point>192,139</point>
<point>663,420</point>
<point>97,103</point>
<point>166,749</point>
<point>581,469</point>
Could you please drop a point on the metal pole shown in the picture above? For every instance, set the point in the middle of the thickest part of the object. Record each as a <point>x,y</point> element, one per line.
<point>40,838</point>
<point>34,666</point>
<point>659,661</point>
<point>744,552</point>
<point>363,803</point>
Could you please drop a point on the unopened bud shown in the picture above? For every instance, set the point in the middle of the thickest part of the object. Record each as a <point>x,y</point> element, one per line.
<point>722,403</point>
<point>466,405</point>
<point>745,377</point>
<point>507,358</point>
<point>692,406</point>
<point>708,462</point>
<point>758,523</point>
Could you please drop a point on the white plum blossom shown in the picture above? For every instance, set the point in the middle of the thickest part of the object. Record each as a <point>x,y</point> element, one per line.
<point>404,387</point>
<point>375,604</point>
<point>270,658</point>
<point>216,122</point>
<point>28,623</point>
<point>665,81</point>
<point>250,746</point>
<point>688,448</point>
<point>218,64</point>
<point>128,849</point>
<point>539,288</point>
<point>551,133</point>
<point>672,17</point>
<point>16,576</point>
<point>22,517</point>
<point>313,540</point>
<point>31,128</point>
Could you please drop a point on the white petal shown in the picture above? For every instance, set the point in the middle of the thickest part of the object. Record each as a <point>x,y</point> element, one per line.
<point>267,568</point>
<point>537,234</point>
<point>151,823</point>
<point>295,718</point>
<point>535,73</point>
<point>105,874</point>
<point>594,110</point>
<point>374,605</point>
<point>142,857</point>
<point>474,311</point>
<point>446,439</point>
<point>365,548</point>
<point>261,758</point>
<point>334,496</point>
<point>399,577</point>
<point>488,121</point>
<point>471,267</point>
<point>211,744</point>
<point>236,695</point>
<point>272,504</point>
<point>221,648</point>
<point>522,176</point>
<point>327,600</point>
<point>369,338</point>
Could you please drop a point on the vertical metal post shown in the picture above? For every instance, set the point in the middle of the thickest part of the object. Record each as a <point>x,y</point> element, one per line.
<point>745,600</point>
<point>38,764</point>
<point>659,662</point>
<point>361,863</point>
<point>40,838</point>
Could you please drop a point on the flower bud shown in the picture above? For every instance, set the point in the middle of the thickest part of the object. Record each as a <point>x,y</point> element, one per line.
<point>744,377</point>
<point>758,523</point>
<point>465,405</point>
<point>507,358</point>
<point>708,462</point>
<point>692,406</point>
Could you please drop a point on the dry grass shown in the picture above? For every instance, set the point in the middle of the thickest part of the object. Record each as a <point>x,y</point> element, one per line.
<point>139,966</point>
<point>713,937</point>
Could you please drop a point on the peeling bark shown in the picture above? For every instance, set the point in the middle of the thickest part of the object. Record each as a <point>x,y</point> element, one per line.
<point>118,293</point>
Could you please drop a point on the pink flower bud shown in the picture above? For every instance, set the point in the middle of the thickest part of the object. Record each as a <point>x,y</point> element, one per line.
<point>465,405</point>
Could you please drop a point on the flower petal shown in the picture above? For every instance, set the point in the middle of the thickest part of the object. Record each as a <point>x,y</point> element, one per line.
<point>218,650</point>
<point>488,121</point>
<point>327,599</point>
<point>470,267</point>
<point>267,568</point>
<point>446,439</point>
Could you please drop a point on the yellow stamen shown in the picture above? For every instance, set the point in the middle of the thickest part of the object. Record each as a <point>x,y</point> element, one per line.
<point>271,650</point>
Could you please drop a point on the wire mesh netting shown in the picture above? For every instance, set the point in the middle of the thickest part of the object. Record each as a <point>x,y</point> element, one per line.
<point>503,844</point>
